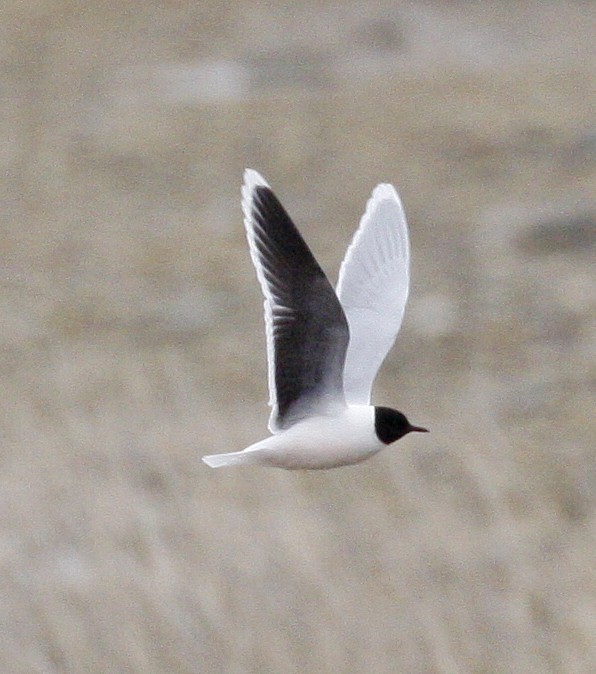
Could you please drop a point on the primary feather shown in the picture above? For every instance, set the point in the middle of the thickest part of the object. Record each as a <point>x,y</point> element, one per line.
<point>373,290</point>
<point>307,331</point>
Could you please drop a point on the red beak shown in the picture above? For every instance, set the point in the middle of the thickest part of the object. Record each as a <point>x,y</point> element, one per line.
<point>419,429</point>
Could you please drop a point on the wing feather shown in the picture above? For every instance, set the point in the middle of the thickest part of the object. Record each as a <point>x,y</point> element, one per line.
<point>306,328</point>
<point>373,289</point>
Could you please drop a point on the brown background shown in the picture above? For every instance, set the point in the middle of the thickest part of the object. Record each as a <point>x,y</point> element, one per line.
<point>131,338</point>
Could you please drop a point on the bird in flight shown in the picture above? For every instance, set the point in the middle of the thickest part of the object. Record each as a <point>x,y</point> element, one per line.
<point>325,346</point>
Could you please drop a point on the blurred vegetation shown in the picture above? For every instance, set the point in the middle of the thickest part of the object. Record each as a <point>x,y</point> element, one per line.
<point>132,339</point>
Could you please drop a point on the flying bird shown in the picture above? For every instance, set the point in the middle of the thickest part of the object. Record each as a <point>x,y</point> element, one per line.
<point>325,346</point>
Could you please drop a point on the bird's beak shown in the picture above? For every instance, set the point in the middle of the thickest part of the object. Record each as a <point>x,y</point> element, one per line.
<point>419,429</point>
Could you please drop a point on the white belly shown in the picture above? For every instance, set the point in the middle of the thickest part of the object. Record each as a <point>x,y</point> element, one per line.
<point>322,442</point>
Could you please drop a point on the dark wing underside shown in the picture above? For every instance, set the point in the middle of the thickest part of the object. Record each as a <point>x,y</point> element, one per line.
<point>307,331</point>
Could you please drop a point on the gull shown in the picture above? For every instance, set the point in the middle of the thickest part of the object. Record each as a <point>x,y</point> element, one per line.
<point>325,346</point>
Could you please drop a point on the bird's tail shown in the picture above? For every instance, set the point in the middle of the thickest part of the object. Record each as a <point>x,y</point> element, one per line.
<point>232,459</point>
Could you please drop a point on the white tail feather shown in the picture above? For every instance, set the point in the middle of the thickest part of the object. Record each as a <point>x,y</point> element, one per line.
<point>232,459</point>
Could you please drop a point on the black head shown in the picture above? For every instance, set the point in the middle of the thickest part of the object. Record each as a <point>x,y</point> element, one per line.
<point>391,425</point>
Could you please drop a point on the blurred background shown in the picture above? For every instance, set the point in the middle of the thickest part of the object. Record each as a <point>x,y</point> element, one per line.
<point>132,337</point>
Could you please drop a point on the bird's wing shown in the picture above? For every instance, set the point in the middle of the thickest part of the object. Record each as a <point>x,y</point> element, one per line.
<point>373,289</point>
<point>307,331</point>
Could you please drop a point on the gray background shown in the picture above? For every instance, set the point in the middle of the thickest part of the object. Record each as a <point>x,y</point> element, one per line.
<point>132,339</point>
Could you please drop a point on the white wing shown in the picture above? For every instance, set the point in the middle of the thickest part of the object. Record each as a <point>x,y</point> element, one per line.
<point>373,289</point>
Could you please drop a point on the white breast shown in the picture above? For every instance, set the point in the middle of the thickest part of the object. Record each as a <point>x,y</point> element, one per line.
<point>323,442</point>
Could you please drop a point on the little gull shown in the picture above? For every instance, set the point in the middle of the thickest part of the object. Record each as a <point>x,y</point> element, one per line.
<point>325,346</point>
